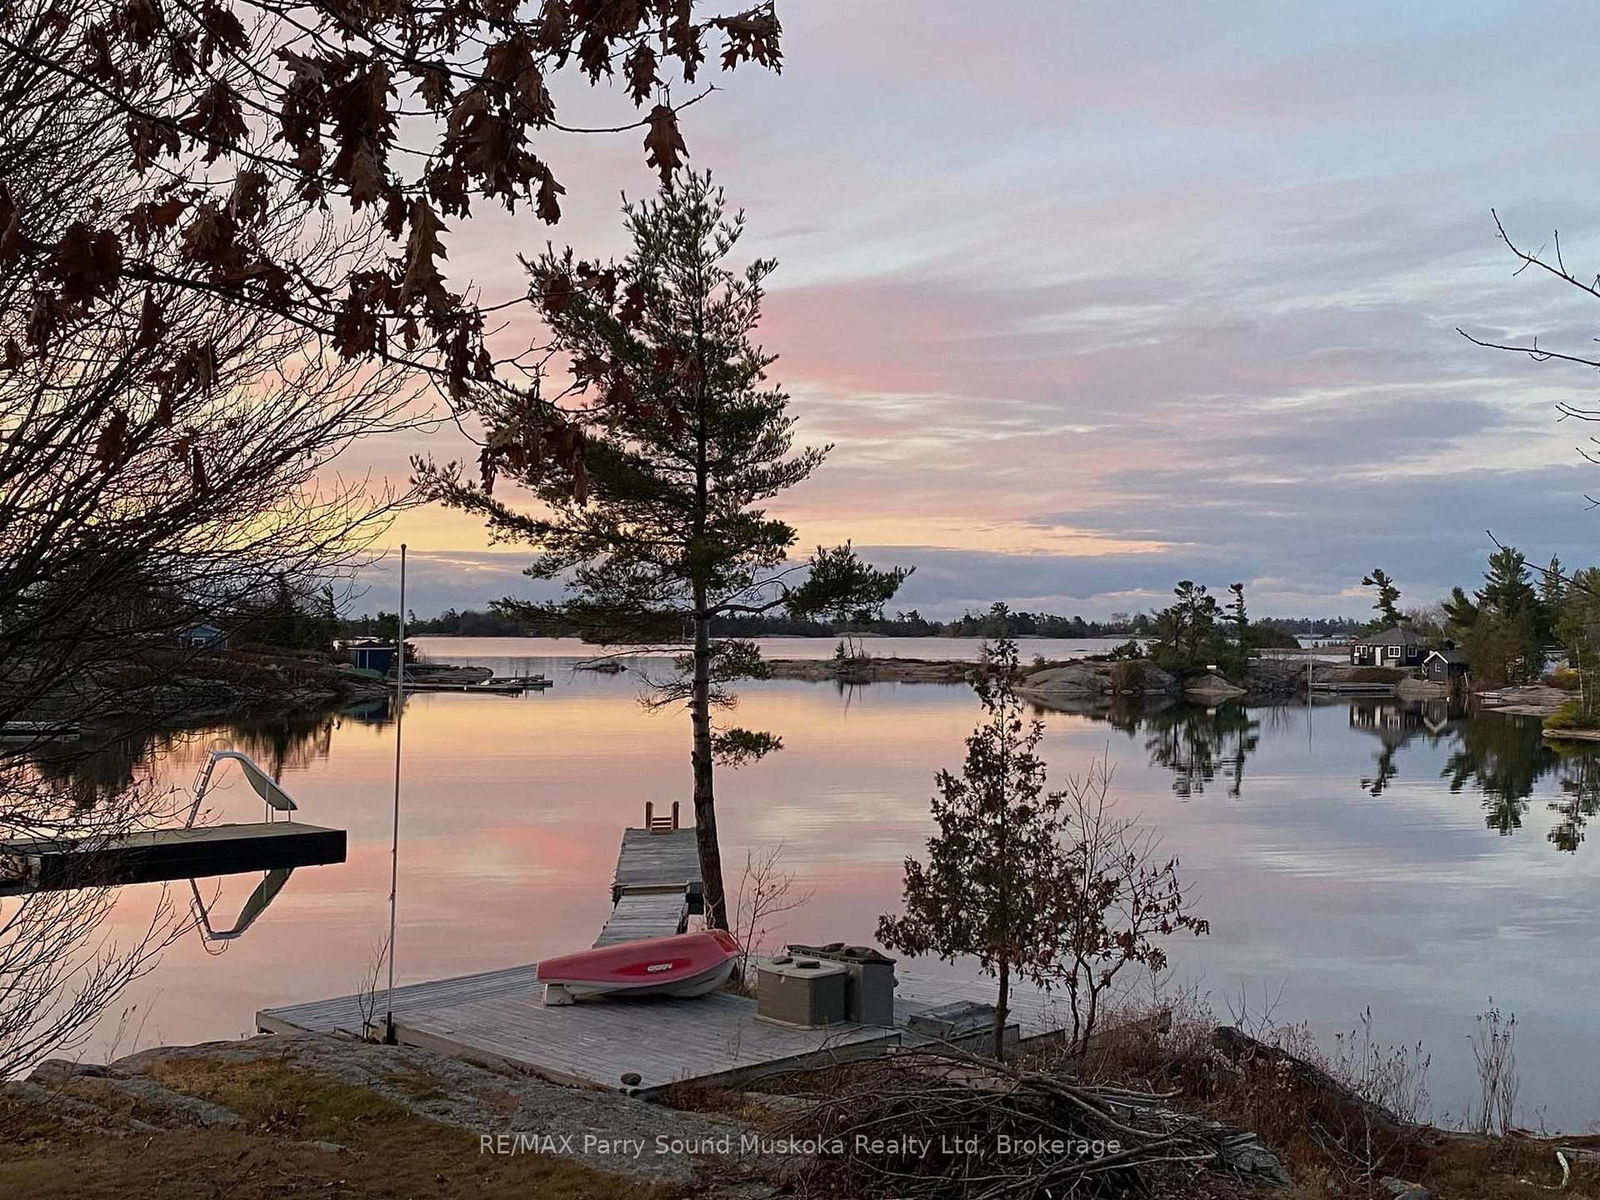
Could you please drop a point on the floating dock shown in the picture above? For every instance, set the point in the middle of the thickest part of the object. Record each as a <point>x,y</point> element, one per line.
<point>492,688</point>
<point>156,855</point>
<point>497,1018</point>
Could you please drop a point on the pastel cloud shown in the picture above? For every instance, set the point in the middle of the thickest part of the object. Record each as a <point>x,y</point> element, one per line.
<point>1093,296</point>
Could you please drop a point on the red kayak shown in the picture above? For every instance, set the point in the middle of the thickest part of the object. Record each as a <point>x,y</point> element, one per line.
<point>686,964</point>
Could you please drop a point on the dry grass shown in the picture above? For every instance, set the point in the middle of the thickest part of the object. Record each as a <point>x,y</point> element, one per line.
<point>388,1151</point>
<point>1331,1153</point>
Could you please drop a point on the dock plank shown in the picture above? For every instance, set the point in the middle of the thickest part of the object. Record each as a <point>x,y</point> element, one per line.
<point>496,1017</point>
<point>153,855</point>
<point>669,859</point>
<point>645,915</point>
<point>713,1039</point>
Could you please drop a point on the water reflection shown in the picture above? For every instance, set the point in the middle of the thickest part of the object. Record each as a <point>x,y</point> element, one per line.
<point>512,808</point>
<point>104,767</point>
<point>1199,744</point>
<point>105,763</point>
<point>214,939</point>
<point>1396,724</point>
<point>1580,797</point>
<point>1500,758</point>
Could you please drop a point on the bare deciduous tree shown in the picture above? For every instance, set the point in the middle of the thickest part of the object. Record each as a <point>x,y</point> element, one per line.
<point>1548,260</point>
<point>60,971</point>
<point>1494,1051</point>
<point>766,891</point>
<point>162,456</point>
<point>1118,899</point>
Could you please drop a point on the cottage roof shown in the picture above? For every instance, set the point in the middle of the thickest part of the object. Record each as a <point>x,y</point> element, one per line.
<point>1393,636</point>
<point>1450,656</point>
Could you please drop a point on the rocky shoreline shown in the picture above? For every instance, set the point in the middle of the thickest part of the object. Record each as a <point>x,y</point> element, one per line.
<point>873,670</point>
<point>1535,700</point>
<point>233,686</point>
<point>1084,679</point>
<point>332,1114</point>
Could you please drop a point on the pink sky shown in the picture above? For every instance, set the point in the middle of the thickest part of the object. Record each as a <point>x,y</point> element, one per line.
<point>1091,299</point>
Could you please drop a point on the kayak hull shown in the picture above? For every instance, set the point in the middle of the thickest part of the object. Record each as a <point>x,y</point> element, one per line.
<point>684,965</point>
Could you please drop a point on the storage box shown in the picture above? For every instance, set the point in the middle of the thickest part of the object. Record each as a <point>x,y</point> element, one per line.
<point>870,996</point>
<point>804,992</point>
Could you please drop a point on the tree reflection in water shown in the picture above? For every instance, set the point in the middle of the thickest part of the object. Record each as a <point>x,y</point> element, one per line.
<point>105,763</point>
<point>1395,723</point>
<point>1579,770</point>
<point>1196,743</point>
<point>1501,757</point>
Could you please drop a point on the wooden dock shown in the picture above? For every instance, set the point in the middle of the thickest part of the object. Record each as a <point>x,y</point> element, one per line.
<point>497,1018</point>
<point>494,688</point>
<point>656,885</point>
<point>156,855</point>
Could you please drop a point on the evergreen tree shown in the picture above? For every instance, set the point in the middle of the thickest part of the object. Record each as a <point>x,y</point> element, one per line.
<point>1388,596</point>
<point>1506,642</point>
<point>1042,886</point>
<point>998,835</point>
<point>1578,627</point>
<point>1460,614</point>
<point>1239,646</point>
<point>659,525</point>
<point>1552,589</point>
<point>1184,635</point>
<point>1508,584</point>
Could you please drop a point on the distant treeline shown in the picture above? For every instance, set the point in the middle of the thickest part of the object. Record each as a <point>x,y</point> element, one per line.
<point>471,623</point>
<point>998,621</point>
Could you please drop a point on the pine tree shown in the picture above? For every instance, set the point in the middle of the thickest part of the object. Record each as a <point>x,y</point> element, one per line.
<point>1388,596</point>
<point>1184,634</point>
<point>1239,648</point>
<point>997,831</point>
<point>1552,594</point>
<point>660,522</point>
<point>1506,641</point>
<point>1460,613</point>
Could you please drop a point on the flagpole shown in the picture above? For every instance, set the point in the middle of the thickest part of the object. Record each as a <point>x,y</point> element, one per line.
<point>394,850</point>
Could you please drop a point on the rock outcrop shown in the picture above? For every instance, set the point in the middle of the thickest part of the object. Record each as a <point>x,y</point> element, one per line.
<point>210,1086</point>
<point>872,670</point>
<point>1211,688</point>
<point>1090,678</point>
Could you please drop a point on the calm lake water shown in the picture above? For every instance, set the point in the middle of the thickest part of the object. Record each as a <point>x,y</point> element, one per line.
<point>1400,856</point>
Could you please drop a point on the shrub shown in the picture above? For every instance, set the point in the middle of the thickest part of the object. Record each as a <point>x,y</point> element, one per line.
<point>1563,678</point>
<point>1127,676</point>
<point>1571,716</point>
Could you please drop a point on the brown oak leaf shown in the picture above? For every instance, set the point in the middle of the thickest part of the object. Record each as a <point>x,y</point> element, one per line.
<point>664,143</point>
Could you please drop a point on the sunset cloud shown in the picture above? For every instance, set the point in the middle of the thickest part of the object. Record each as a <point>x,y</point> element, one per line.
<point>1090,297</point>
